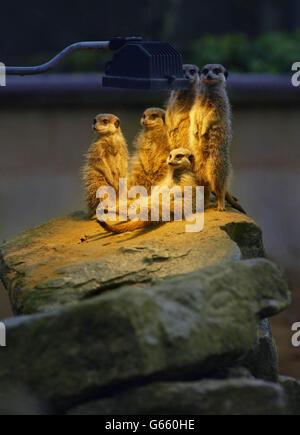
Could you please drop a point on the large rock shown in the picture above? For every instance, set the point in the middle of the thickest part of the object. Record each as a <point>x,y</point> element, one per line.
<point>182,328</point>
<point>47,267</point>
<point>207,397</point>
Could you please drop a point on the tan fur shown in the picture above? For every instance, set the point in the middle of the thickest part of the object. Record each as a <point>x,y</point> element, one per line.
<point>178,110</point>
<point>211,134</point>
<point>106,160</point>
<point>180,174</point>
<point>150,161</point>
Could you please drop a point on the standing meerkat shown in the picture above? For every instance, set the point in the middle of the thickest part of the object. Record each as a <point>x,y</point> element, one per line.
<point>106,160</point>
<point>179,107</point>
<point>150,162</point>
<point>180,174</point>
<point>211,135</point>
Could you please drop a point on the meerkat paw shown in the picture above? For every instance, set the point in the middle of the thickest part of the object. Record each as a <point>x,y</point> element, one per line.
<point>221,209</point>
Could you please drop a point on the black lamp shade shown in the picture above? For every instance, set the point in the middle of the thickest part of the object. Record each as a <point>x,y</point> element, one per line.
<point>145,65</point>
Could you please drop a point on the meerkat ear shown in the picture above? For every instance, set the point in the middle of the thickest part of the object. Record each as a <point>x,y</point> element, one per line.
<point>192,158</point>
<point>226,74</point>
<point>117,123</point>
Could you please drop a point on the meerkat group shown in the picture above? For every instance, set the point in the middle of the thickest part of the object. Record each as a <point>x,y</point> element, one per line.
<point>180,174</point>
<point>196,127</point>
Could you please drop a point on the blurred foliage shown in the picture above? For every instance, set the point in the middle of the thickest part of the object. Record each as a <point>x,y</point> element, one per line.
<point>272,52</point>
<point>231,50</point>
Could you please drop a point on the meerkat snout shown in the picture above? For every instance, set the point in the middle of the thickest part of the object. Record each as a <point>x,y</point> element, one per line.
<point>191,73</point>
<point>106,124</point>
<point>180,158</point>
<point>214,74</point>
<point>153,118</point>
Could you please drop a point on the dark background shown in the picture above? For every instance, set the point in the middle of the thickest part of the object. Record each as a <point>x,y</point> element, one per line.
<point>41,144</point>
<point>31,31</point>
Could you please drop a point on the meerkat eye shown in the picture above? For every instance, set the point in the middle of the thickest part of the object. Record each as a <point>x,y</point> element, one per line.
<point>205,71</point>
<point>154,116</point>
<point>192,72</point>
<point>179,156</point>
<point>95,121</point>
<point>105,121</point>
<point>217,71</point>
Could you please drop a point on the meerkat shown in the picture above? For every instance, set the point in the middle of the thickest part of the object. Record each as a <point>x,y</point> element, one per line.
<point>107,159</point>
<point>179,107</point>
<point>150,162</point>
<point>211,135</point>
<point>180,174</point>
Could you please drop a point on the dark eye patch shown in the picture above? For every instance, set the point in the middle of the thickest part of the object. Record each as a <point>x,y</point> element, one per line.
<point>154,116</point>
<point>105,121</point>
<point>192,72</point>
<point>179,156</point>
<point>217,71</point>
<point>205,71</point>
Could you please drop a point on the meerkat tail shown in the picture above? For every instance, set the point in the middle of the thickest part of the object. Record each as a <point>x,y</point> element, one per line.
<point>124,227</point>
<point>234,203</point>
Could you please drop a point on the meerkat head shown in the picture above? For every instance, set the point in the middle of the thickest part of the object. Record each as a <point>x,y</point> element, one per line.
<point>181,158</point>
<point>191,73</point>
<point>106,124</point>
<point>153,118</point>
<point>213,74</point>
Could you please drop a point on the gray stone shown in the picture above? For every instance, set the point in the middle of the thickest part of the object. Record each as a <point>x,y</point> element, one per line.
<point>16,399</point>
<point>207,397</point>
<point>185,327</point>
<point>262,361</point>
<point>292,389</point>
<point>47,267</point>
<point>248,236</point>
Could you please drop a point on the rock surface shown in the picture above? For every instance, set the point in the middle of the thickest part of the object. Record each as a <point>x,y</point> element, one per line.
<point>47,267</point>
<point>157,321</point>
<point>185,327</point>
<point>208,397</point>
<point>262,361</point>
<point>292,390</point>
